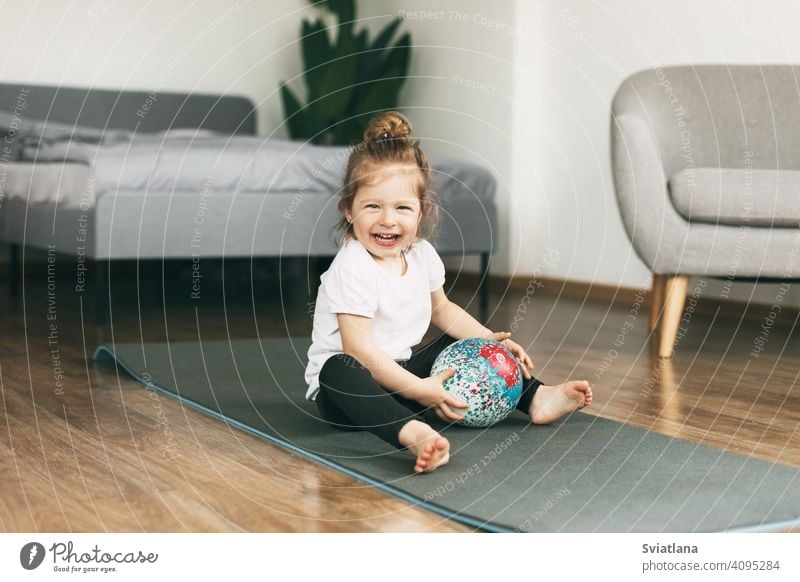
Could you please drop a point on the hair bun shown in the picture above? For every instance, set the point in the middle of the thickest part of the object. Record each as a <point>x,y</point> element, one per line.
<point>389,125</point>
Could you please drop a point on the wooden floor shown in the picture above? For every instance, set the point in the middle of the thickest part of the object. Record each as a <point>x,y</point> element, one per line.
<point>82,449</point>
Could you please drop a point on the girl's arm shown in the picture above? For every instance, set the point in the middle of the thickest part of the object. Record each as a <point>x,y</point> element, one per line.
<point>454,321</point>
<point>357,342</point>
<point>459,324</point>
<point>356,332</point>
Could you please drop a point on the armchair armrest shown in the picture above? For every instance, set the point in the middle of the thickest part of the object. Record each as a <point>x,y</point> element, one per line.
<point>655,229</point>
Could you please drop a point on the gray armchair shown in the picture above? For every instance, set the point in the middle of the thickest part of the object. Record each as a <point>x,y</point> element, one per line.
<point>706,165</point>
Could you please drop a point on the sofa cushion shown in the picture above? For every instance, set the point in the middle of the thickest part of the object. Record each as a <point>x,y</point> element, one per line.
<point>738,196</point>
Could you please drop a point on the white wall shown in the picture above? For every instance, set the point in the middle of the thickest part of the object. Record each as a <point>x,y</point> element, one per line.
<point>566,77</point>
<point>249,47</point>
<point>239,47</point>
<point>523,87</point>
<point>455,44</point>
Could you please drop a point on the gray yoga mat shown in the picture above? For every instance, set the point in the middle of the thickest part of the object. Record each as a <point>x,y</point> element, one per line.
<point>581,474</point>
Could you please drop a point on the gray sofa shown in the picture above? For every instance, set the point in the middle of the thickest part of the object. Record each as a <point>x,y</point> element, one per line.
<point>128,225</point>
<point>706,166</point>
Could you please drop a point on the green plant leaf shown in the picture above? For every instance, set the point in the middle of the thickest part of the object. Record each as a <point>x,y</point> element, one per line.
<point>382,40</point>
<point>383,92</point>
<point>349,80</point>
<point>316,52</point>
<point>400,55</point>
<point>380,61</point>
<point>360,41</point>
<point>318,123</point>
<point>382,74</point>
<point>371,59</point>
<point>345,10</point>
<point>372,62</point>
<point>340,74</point>
<point>293,113</point>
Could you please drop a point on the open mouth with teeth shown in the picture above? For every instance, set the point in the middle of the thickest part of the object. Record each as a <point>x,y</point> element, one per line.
<point>385,240</point>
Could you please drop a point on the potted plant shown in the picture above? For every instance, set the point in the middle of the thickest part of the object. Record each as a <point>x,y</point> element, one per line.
<point>348,79</point>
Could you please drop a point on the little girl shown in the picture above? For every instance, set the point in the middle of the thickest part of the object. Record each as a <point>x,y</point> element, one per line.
<point>379,296</point>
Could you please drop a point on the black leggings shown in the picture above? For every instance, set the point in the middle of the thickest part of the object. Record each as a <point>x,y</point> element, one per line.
<point>351,399</point>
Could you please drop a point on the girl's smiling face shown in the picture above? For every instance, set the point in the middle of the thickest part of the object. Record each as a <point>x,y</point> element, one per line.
<point>387,206</point>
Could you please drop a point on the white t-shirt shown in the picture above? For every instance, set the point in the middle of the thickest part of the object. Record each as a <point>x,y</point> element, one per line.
<point>400,306</point>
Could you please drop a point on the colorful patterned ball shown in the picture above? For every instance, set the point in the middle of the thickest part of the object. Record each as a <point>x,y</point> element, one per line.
<point>488,378</point>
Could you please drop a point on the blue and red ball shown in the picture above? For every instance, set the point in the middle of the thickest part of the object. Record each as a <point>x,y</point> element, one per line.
<point>488,377</point>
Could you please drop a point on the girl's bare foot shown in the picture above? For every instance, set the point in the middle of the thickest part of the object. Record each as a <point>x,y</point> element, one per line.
<point>552,402</point>
<point>431,449</point>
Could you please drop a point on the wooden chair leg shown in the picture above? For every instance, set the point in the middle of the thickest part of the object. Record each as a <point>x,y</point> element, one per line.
<point>674,297</point>
<point>656,300</point>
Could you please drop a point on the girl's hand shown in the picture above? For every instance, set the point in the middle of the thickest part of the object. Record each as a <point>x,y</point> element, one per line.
<point>525,362</point>
<point>430,393</point>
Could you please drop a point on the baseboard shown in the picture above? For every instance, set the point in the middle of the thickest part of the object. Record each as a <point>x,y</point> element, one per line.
<point>621,295</point>
<point>583,290</point>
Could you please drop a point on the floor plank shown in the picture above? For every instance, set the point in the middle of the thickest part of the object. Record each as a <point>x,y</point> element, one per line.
<point>82,449</point>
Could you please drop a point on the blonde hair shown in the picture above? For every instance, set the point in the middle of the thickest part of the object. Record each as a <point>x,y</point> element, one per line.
<point>387,141</point>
